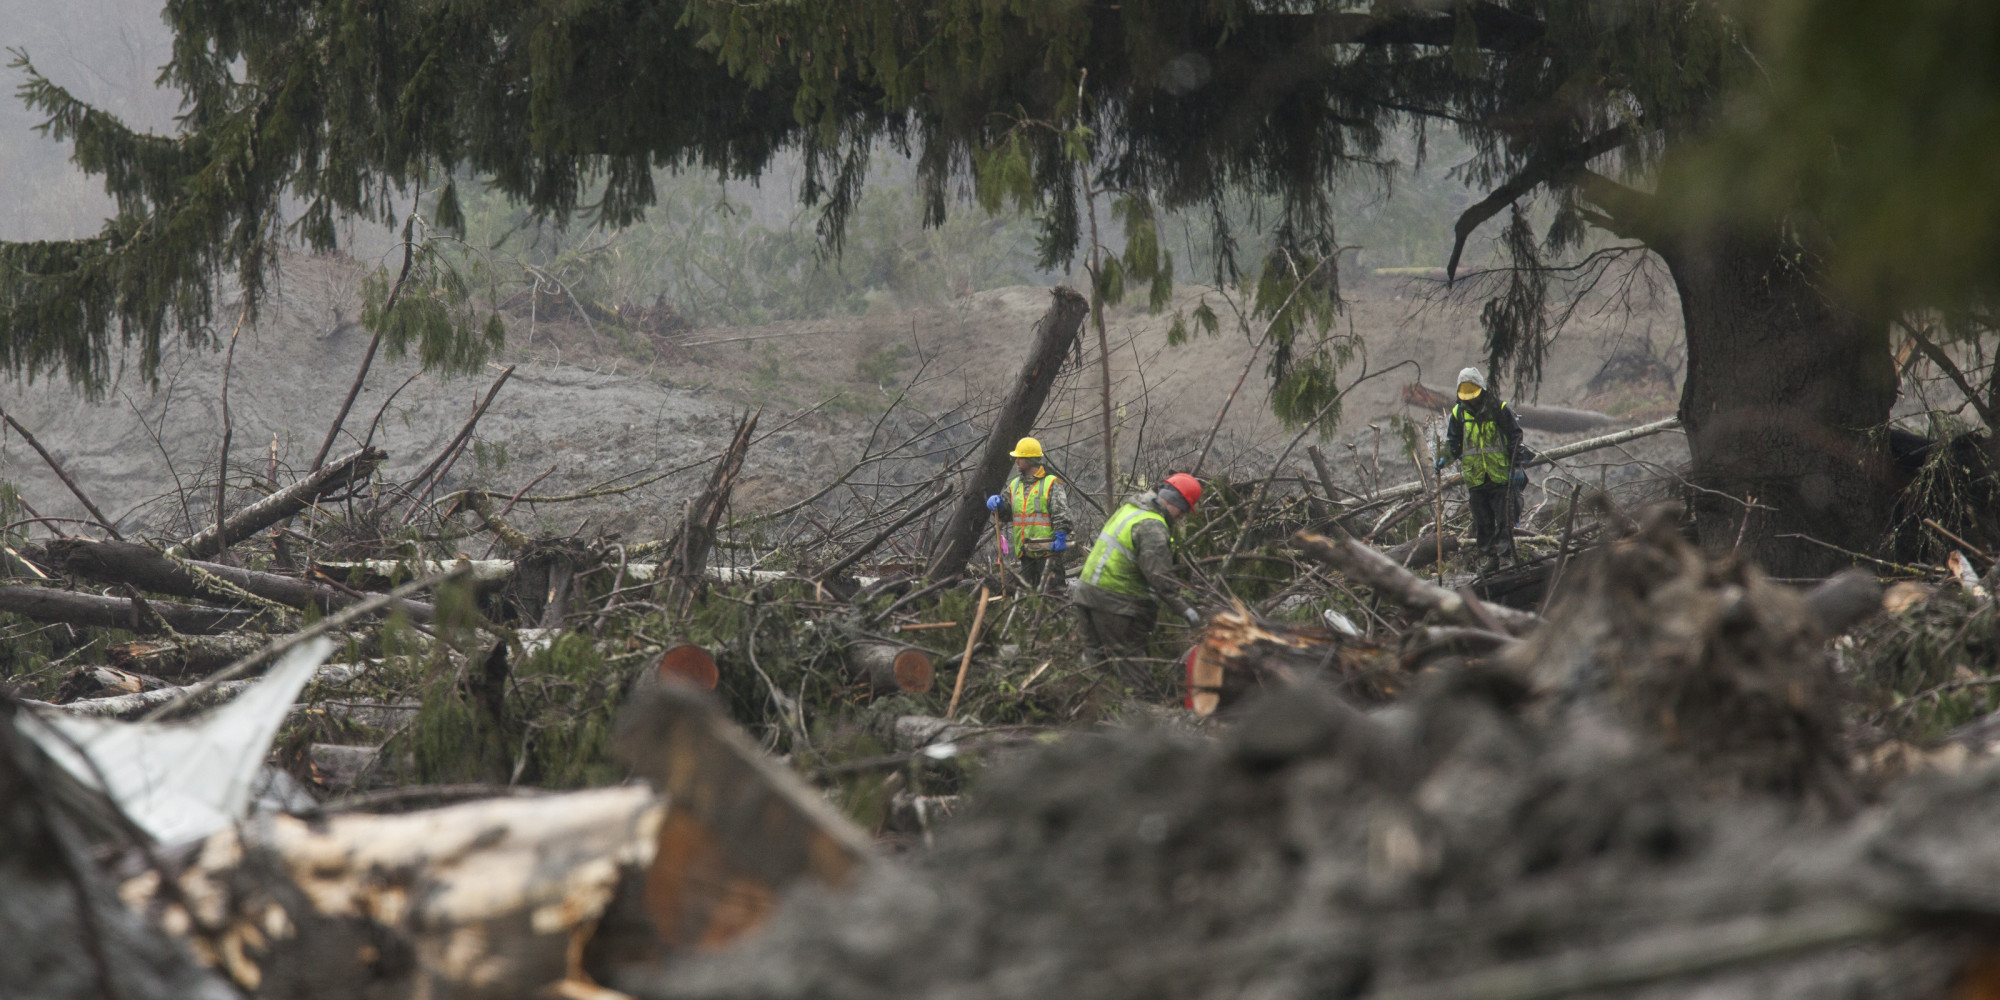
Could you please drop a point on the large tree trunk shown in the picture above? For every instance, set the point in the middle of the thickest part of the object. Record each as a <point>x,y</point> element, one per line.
<point>1053,337</point>
<point>1783,389</point>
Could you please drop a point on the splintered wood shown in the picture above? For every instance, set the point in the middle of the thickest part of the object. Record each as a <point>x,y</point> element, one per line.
<point>1238,655</point>
<point>488,899</point>
<point>740,829</point>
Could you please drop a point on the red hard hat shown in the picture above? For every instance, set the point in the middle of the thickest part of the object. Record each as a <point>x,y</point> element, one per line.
<point>1187,486</point>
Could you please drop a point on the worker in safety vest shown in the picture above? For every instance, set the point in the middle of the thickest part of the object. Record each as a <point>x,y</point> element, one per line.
<point>1035,513</point>
<point>1130,572</point>
<point>1485,438</point>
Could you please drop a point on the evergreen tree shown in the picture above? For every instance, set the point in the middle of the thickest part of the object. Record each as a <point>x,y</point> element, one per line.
<point>349,107</point>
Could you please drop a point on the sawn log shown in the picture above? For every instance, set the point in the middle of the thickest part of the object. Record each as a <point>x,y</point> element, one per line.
<point>498,899</point>
<point>1239,656</point>
<point>889,668</point>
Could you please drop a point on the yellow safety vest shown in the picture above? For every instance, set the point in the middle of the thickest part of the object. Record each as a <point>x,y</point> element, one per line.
<point>1113,565</point>
<point>1033,528</point>
<point>1482,448</point>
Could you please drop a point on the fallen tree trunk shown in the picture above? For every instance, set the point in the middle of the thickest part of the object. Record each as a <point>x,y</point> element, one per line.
<point>137,703</point>
<point>484,573</point>
<point>184,656</point>
<point>342,472</point>
<point>64,607</point>
<point>889,668</point>
<point>1422,550</point>
<point>1239,655</point>
<point>1367,566</point>
<point>140,566</point>
<point>493,899</point>
<point>1054,334</point>
<point>1551,419</point>
<point>376,574</point>
<point>1407,490</point>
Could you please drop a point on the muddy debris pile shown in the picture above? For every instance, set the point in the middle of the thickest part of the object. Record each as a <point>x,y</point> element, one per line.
<point>1642,799</point>
<point>318,750</point>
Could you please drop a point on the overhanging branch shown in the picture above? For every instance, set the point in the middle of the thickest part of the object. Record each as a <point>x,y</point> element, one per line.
<point>1540,170</point>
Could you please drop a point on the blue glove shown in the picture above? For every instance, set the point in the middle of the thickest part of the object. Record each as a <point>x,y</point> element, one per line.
<point>1439,464</point>
<point>1061,544</point>
<point>993,502</point>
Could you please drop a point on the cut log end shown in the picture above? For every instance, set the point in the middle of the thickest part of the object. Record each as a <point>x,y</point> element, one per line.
<point>1239,655</point>
<point>889,669</point>
<point>914,671</point>
<point>689,664</point>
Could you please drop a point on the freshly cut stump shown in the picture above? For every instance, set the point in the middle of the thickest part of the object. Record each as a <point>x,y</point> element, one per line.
<point>1240,654</point>
<point>889,669</point>
<point>689,664</point>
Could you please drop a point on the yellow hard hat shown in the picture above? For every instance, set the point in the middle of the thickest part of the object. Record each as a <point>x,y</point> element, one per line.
<point>1027,448</point>
<point>1468,390</point>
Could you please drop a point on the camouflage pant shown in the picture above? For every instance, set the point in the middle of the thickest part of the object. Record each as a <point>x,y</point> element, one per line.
<point>1117,643</point>
<point>1043,574</point>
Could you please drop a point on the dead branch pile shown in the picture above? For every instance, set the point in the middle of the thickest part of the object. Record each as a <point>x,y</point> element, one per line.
<point>1500,835</point>
<point>1411,786</point>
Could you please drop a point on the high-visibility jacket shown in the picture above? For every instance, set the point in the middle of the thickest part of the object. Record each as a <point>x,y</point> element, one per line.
<point>1028,501</point>
<point>1485,451</point>
<point>1113,565</point>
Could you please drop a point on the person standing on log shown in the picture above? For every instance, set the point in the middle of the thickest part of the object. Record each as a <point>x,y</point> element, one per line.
<point>1035,511</point>
<point>1483,435</point>
<point>1129,573</point>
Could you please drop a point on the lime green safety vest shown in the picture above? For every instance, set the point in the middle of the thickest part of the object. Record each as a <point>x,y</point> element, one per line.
<point>1483,449</point>
<point>1030,503</point>
<point>1112,565</point>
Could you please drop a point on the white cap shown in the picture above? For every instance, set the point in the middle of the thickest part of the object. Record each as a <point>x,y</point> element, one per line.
<point>1472,375</point>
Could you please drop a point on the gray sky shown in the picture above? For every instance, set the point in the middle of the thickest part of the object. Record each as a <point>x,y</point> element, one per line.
<point>107,52</point>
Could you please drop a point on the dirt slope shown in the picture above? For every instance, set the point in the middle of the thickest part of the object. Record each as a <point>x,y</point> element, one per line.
<point>592,409</point>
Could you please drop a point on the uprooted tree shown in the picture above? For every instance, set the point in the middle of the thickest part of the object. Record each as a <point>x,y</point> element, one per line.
<point>1173,105</point>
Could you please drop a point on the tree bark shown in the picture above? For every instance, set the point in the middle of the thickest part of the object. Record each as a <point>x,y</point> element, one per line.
<point>282,504</point>
<point>502,898</point>
<point>1239,656</point>
<point>889,669</point>
<point>1784,386</point>
<point>186,656</point>
<point>46,604</point>
<point>1054,334</point>
<point>690,559</point>
<point>140,566</point>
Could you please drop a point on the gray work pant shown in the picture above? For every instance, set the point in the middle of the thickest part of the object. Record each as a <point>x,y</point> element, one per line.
<point>1493,519</point>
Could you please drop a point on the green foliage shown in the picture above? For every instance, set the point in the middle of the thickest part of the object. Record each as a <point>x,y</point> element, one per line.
<point>1516,321</point>
<point>575,109</point>
<point>430,306</point>
<point>1881,122</point>
<point>882,365</point>
<point>1934,664</point>
<point>568,697</point>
